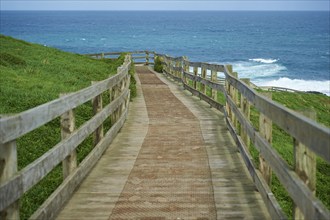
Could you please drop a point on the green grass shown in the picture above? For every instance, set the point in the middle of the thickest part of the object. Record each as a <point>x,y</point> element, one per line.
<point>158,67</point>
<point>283,142</point>
<point>31,75</point>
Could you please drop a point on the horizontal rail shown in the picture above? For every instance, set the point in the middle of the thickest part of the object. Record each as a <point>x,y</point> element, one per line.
<point>304,130</point>
<point>15,126</point>
<point>205,98</point>
<point>297,190</point>
<point>213,85</point>
<point>34,172</point>
<point>14,185</point>
<point>51,207</point>
<point>267,195</point>
<point>307,131</point>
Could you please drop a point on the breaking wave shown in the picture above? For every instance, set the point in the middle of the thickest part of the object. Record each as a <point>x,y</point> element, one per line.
<point>299,84</point>
<point>267,61</point>
<point>258,69</point>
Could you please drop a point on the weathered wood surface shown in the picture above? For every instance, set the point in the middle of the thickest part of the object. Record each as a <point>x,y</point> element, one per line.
<point>269,199</point>
<point>67,128</point>
<point>15,126</point>
<point>234,192</point>
<point>313,135</point>
<point>305,165</point>
<point>53,205</point>
<point>280,115</point>
<point>266,131</point>
<point>34,172</point>
<point>97,104</point>
<point>299,192</point>
<point>99,192</point>
<point>213,85</point>
<point>8,169</point>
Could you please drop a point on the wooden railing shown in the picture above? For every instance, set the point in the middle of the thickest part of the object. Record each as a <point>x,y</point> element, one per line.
<point>138,57</point>
<point>13,183</point>
<point>310,138</point>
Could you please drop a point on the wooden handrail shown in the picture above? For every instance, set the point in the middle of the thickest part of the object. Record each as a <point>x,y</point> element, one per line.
<point>306,131</point>
<point>136,56</point>
<point>13,127</point>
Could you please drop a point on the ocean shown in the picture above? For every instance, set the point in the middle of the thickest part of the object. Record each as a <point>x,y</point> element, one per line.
<point>284,49</point>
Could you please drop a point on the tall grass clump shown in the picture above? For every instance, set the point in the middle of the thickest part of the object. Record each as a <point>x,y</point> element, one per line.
<point>158,66</point>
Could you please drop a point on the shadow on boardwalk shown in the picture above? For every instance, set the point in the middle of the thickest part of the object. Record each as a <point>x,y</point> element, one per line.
<point>173,159</point>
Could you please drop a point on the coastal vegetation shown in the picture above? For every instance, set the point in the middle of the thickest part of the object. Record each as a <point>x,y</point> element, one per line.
<point>33,74</point>
<point>283,142</point>
<point>158,67</point>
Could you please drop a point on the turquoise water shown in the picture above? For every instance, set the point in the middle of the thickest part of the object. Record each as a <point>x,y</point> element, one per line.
<point>288,49</point>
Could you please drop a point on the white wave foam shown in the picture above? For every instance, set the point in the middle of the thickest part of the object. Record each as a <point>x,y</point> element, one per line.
<point>298,84</point>
<point>261,60</point>
<point>254,70</point>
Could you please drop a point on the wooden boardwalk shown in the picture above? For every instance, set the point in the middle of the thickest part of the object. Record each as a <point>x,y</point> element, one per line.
<point>173,159</point>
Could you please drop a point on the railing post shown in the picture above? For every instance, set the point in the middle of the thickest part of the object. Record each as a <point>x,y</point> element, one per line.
<point>147,58</point>
<point>67,127</point>
<point>245,106</point>
<point>165,67</point>
<point>304,165</point>
<point>214,79</point>
<point>122,88</point>
<point>102,56</point>
<point>170,66</point>
<point>8,168</point>
<point>176,67</point>
<point>227,88</point>
<point>195,74</point>
<point>265,129</point>
<point>234,96</point>
<point>185,69</point>
<point>112,97</point>
<point>97,107</point>
<point>203,87</point>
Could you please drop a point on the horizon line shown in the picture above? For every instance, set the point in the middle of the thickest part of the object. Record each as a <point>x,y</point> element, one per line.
<point>169,10</point>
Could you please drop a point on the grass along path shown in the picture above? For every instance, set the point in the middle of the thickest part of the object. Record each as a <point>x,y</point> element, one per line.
<point>283,143</point>
<point>33,74</point>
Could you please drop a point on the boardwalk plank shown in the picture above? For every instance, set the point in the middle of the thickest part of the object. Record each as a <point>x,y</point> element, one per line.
<point>221,189</point>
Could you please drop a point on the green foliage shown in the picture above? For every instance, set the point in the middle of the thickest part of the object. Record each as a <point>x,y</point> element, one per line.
<point>158,65</point>
<point>283,143</point>
<point>31,75</point>
<point>7,59</point>
<point>132,85</point>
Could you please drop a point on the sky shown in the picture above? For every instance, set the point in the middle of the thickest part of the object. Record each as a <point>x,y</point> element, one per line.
<point>291,5</point>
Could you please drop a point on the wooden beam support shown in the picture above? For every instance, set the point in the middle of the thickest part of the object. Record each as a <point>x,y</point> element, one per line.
<point>97,103</point>
<point>8,168</point>
<point>265,129</point>
<point>67,128</point>
<point>245,106</point>
<point>304,165</point>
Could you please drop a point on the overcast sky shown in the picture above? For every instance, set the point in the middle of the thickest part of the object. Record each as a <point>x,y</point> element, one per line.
<point>165,5</point>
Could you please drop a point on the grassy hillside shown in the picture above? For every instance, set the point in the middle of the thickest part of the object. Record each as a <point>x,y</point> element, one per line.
<point>31,75</point>
<point>283,142</point>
